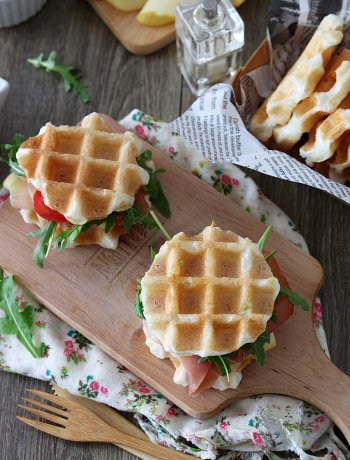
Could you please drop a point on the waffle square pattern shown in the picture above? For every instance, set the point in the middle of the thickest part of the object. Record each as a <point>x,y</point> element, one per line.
<point>84,172</point>
<point>208,295</point>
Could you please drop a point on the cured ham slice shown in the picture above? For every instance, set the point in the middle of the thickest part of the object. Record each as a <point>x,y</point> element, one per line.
<point>284,308</point>
<point>200,376</point>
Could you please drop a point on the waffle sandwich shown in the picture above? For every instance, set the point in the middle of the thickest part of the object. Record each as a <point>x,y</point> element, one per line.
<point>206,302</point>
<point>79,182</point>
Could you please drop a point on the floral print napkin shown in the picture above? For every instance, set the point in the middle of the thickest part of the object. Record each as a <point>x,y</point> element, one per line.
<point>250,428</point>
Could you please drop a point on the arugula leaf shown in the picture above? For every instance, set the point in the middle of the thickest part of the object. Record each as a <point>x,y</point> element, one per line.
<point>274,317</point>
<point>154,187</point>
<point>138,306</point>
<point>109,221</point>
<point>127,221</point>
<point>295,299</point>
<point>160,225</point>
<point>263,238</point>
<point>161,202</point>
<point>257,348</point>
<point>10,150</point>
<point>17,322</point>
<point>46,237</point>
<point>69,80</point>
<point>153,254</point>
<point>221,362</point>
<point>270,255</point>
<point>61,240</point>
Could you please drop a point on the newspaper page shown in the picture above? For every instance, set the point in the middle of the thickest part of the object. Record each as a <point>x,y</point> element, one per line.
<point>219,127</point>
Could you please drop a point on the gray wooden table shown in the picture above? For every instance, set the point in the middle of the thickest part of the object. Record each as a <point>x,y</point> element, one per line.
<point>119,82</point>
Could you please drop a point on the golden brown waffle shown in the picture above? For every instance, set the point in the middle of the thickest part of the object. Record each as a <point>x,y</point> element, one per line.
<point>326,137</point>
<point>260,124</point>
<point>84,172</point>
<point>330,92</point>
<point>302,78</point>
<point>208,295</point>
<point>341,163</point>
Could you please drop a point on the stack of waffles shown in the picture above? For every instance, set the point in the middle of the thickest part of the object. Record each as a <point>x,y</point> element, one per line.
<point>313,99</point>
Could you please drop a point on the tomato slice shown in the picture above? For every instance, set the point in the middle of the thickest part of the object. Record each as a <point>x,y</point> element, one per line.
<point>44,211</point>
<point>284,308</point>
<point>138,200</point>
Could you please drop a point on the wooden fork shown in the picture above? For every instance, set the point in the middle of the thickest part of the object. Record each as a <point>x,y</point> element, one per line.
<point>80,424</point>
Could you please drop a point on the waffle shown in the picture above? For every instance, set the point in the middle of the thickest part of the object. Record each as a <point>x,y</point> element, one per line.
<point>208,295</point>
<point>341,161</point>
<point>85,172</point>
<point>303,77</point>
<point>330,92</point>
<point>260,124</point>
<point>325,137</point>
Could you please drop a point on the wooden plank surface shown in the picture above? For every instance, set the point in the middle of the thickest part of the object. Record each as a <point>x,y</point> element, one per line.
<point>136,38</point>
<point>119,82</point>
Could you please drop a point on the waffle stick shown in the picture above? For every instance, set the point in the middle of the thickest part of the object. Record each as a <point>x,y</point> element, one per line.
<point>325,137</point>
<point>85,172</point>
<point>331,90</point>
<point>208,295</point>
<point>300,81</point>
<point>302,78</point>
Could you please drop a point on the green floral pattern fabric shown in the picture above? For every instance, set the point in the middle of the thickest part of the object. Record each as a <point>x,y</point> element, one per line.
<point>264,424</point>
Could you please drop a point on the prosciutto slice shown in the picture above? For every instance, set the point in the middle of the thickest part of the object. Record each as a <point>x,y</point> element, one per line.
<point>199,375</point>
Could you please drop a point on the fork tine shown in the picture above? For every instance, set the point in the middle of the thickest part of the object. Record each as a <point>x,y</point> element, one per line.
<point>50,429</point>
<point>56,399</point>
<point>45,415</point>
<point>47,407</point>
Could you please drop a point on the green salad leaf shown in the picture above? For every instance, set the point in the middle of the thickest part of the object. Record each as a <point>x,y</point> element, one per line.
<point>46,239</point>
<point>263,238</point>
<point>221,362</point>
<point>17,321</point>
<point>138,306</point>
<point>10,151</point>
<point>295,299</point>
<point>257,348</point>
<point>70,81</point>
<point>154,187</point>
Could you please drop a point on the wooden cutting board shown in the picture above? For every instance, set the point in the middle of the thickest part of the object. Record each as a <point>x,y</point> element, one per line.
<point>136,38</point>
<point>92,289</point>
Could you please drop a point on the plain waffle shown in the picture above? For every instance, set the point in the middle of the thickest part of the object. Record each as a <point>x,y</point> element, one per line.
<point>341,161</point>
<point>302,78</point>
<point>300,81</point>
<point>208,295</point>
<point>326,136</point>
<point>330,92</point>
<point>260,123</point>
<point>84,172</point>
